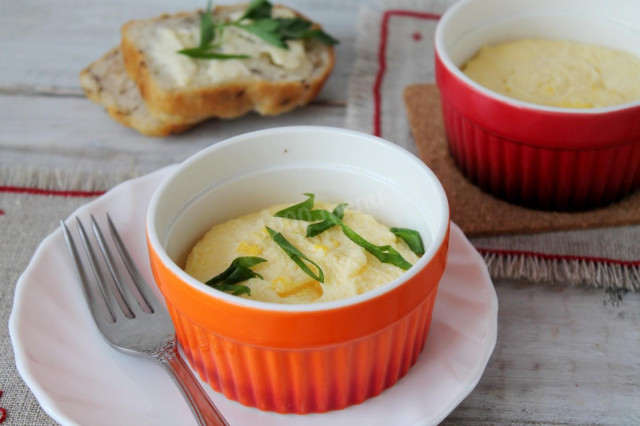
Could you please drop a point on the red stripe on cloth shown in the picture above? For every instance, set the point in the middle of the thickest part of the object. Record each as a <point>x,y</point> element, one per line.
<point>49,192</point>
<point>382,60</point>
<point>547,256</point>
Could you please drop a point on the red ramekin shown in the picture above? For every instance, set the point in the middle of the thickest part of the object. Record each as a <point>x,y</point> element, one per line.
<point>538,156</point>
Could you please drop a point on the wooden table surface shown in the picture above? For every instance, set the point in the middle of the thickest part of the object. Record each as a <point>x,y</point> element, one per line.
<point>565,355</point>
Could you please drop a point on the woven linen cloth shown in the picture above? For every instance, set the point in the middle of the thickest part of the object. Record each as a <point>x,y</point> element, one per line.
<point>27,216</point>
<point>395,48</point>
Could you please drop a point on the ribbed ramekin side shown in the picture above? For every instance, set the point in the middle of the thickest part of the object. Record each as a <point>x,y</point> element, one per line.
<point>550,179</point>
<point>310,380</point>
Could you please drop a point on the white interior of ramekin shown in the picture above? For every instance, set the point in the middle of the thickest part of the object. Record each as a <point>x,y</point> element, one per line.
<point>471,24</point>
<point>250,172</point>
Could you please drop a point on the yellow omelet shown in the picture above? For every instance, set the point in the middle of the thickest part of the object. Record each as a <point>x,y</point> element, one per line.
<point>348,269</point>
<point>558,73</point>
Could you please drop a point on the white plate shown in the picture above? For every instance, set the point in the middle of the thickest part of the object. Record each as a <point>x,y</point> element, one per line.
<point>79,379</point>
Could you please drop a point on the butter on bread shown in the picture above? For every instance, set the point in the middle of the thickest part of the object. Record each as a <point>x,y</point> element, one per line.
<point>263,87</point>
<point>106,82</point>
<point>146,84</point>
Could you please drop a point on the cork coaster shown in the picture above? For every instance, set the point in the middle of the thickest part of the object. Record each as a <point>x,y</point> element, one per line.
<point>475,211</point>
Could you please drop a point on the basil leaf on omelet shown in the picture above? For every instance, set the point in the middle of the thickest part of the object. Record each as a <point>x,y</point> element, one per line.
<point>296,255</point>
<point>319,227</point>
<point>237,272</point>
<point>411,237</point>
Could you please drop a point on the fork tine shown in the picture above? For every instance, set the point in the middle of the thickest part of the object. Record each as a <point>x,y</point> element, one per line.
<point>115,285</point>
<point>105,285</point>
<point>84,279</point>
<point>138,285</point>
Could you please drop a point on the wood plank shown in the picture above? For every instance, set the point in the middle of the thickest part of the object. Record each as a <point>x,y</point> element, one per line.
<point>69,123</point>
<point>565,355</point>
<point>45,44</point>
<point>74,133</point>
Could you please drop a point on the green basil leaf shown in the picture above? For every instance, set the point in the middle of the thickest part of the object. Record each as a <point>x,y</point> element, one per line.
<point>258,21</point>
<point>300,211</point>
<point>292,28</point>
<point>266,29</point>
<point>304,211</point>
<point>412,238</point>
<point>206,53</point>
<point>385,254</point>
<point>247,261</point>
<point>237,272</point>
<point>258,9</point>
<point>234,289</point>
<point>318,228</point>
<point>319,35</point>
<point>296,255</point>
<point>207,27</point>
<point>241,274</point>
<point>339,210</point>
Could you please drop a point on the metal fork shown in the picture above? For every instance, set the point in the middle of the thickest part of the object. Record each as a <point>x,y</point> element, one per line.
<point>141,326</point>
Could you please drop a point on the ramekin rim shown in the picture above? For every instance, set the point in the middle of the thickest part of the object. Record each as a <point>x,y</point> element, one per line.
<point>444,57</point>
<point>437,242</point>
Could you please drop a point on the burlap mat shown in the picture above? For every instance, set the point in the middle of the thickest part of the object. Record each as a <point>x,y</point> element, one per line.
<point>479,213</point>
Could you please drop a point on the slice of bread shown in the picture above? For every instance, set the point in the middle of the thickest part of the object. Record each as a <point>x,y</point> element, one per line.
<point>260,84</point>
<point>106,82</point>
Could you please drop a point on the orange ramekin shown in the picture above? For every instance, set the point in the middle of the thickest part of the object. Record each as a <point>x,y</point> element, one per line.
<point>539,156</point>
<point>307,357</point>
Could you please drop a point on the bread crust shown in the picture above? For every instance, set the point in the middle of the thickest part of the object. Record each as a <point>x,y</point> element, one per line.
<point>223,100</point>
<point>106,83</point>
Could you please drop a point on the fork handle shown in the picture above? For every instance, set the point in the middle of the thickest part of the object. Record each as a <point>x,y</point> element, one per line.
<point>205,412</point>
